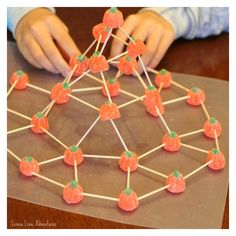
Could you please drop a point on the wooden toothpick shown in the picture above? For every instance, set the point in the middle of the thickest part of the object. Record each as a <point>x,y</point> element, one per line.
<point>191,133</point>
<point>89,129</point>
<point>194,148</point>
<point>152,150</point>
<point>78,78</point>
<point>145,71</point>
<point>13,154</point>
<point>153,192</point>
<point>106,88</point>
<point>67,80</point>
<point>38,88</point>
<point>152,70</point>
<point>128,93</point>
<point>89,47</point>
<point>19,129</point>
<point>53,137</point>
<point>49,180</point>
<point>106,40</point>
<point>101,156</point>
<point>132,101</point>
<point>205,110</point>
<point>100,196</point>
<point>50,107</point>
<point>198,169</point>
<point>153,171</point>
<point>18,114</point>
<point>118,133</point>
<point>140,78</point>
<point>51,160</point>
<point>216,141</point>
<point>86,89</point>
<point>162,119</point>
<point>12,87</point>
<point>179,85</point>
<point>75,169</point>
<point>116,57</point>
<point>98,43</point>
<point>118,38</point>
<point>128,178</point>
<point>175,100</point>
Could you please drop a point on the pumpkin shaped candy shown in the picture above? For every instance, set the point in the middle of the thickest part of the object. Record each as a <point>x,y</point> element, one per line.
<point>171,141</point>
<point>72,192</point>
<point>127,160</point>
<point>100,30</point>
<point>60,93</point>
<point>109,111</point>
<point>113,18</point>
<point>196,96</point>
<point>22,79</point>
<point>176,182</point>
<point>39,121</point>
<point>98,63</point>
<point>28,165</point>
<point>113,87</point>
<point>81,62</point>
<point>127,64</point>
<point>217,158</point>
<point>72,154</point>
<point>212,127</point>
<point>164,78</point>
<point>128,200</point>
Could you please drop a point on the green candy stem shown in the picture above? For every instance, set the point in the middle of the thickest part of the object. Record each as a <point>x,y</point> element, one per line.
<point>163,71</point>
<point>28,159</point>
<point>97,53</point>
<point>66,86</point>
<point>128,191</point>
<point>172,134</point>
<point>128,153</point>
<point>151,87</point>
<point>112,81</point>
<point>176,173</point>
<point>80,58</point>
<point>39,115</point>
<point>215,151</point>
<point>74,148</point>
<point>73,183</point>
<point>113,9</point>
<point>195,89</point>
<point>213,120</point>
<point>20,73</point>
<point>128,58</point>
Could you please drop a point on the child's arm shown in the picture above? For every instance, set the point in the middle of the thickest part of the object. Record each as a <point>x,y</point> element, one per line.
<point>159,27</point>
<point>34,34</point>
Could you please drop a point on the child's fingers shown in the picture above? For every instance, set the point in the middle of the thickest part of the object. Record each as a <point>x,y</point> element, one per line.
<point>129,25</point>
<point>161,50</point>
<point>153,41</point>
<point>64,39</point>
<point>45,41</point>
<point>39,55</point>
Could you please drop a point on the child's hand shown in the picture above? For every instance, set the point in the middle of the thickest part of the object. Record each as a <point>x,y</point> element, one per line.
<point>150,28</point>
<point>34,35</point>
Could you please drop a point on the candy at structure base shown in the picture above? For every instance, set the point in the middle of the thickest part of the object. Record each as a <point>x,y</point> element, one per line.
<point>164,78</point>
<point>113,18</point>
<point>196,96</point>
<point>136,48</point>
<point>72,193</point>
<point>28,165</point>
<point>211,126</point>
<point>218,159</point>
<point>152,97</point>
<point>98,63</point>
<point>60,93</point>
<point>128,200</point>
<point>171,141</point>
<point>152,109</point>
<point>176,182</point>
<point>113,86</point>
<point>82,64</point>
<point>22,78</point>
<point>109,111</point>
<point>100,29</point>
<point>71,154</point>
<point>39,120</point>
<point>126,65</point>
<point>128,159</point>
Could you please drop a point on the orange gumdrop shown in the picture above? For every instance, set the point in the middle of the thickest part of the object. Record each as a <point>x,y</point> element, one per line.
<point>113,86</point>
<point>171,141</point>
<point>22,79</point>
<point>100,30</point>
<point>72,193</point>
<point>28,165</point>
<point>218,159</point>
<point>128,159</point>
<point>113,18</point>
<point>136,48</point>
<point>164,79</point>
<point>109,111</point>
<point>98,63</point>
<point>126,65</point>
<point>128,200</point>
<point>60,93</point>
<point>176,182</point>
<point>39,121</point>
<point>211,127</point>
<point>196,96</point>
<point>152,96</point>
<point>72,154</point>
<point>81,62</point>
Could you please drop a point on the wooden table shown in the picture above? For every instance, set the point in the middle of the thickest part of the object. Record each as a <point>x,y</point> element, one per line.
<point>206,57</point>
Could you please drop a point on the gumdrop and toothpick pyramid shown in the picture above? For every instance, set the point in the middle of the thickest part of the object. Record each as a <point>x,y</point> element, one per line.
<point>128,161</point>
